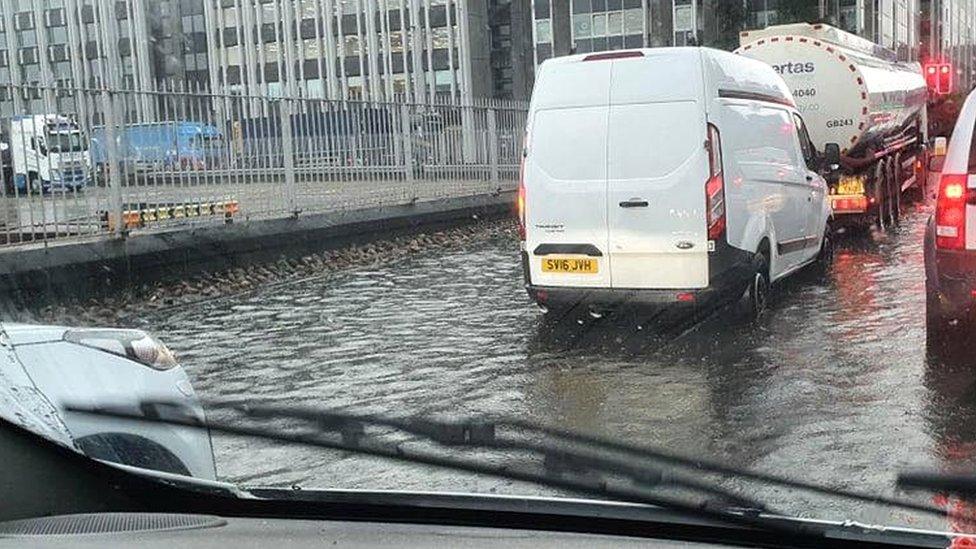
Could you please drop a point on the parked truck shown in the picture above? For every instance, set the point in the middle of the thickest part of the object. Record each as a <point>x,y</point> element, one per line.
<point>44,152</point>
<point>161,146</point>
<point>864,110</point>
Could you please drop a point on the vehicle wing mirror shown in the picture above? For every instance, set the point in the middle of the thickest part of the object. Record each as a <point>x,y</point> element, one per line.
<point>832,156</point>
<point>936,163</point>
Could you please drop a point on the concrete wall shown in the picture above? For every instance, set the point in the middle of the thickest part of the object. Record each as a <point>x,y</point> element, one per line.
<point>83,269</point>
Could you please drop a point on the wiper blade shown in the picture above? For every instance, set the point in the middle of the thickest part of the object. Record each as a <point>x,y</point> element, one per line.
<point>353,438</point>
<point>639,468</point>
<point>455,433</point>
<point>480,433</point>
<point>960,484</point>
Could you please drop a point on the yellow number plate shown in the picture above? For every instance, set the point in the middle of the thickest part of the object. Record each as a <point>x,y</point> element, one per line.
<point>569,265</point>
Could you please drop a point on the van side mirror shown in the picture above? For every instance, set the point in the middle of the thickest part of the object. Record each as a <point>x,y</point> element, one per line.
<point>832,156</point>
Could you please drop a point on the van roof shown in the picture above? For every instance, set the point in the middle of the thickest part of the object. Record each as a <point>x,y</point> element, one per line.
<point>722,74</point>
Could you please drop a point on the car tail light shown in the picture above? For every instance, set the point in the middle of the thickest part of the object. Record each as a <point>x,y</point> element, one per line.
<point>715,186</point>
<point>950,212</point>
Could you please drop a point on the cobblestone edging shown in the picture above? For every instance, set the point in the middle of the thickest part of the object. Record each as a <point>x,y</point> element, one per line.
<point>125,308</point>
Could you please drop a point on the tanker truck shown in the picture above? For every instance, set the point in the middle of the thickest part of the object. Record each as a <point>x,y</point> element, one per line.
<point>865,112</point>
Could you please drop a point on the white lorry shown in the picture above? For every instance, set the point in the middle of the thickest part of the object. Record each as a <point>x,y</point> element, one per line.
<point>863,109</point>
<point>47,152</point>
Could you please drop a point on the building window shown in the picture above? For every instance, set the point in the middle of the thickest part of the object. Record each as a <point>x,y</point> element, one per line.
<point>399,83</point>
<point>764,18</point>
<point>28,56</point>
<point>599,24</point>
<point>24,20</point>
<point>355,86</point>
<point>58,52</point>
<point>438,37</point>
<point>4,58</point>
<point>615,23</point>
<point>543,31</point>
<point>315,88</point>
<point>582,24</point>
<point>396,42</point>
<point>55,17</point>
<point>442,81</point>
<point>633,21</point>
<point>351,45</point>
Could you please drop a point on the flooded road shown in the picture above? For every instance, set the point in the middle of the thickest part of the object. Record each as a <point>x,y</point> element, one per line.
<point>833,386</point>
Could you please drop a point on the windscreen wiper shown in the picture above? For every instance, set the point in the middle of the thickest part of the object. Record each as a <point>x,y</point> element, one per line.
<point>586,465</point>
<point>960,484</point>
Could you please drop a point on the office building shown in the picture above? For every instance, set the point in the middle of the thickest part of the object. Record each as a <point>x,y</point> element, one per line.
<point>561,27</point>
<point>351,49</point>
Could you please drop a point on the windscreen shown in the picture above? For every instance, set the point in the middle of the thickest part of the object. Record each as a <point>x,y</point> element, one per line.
<point>537,249</point>
<point>66,142</point>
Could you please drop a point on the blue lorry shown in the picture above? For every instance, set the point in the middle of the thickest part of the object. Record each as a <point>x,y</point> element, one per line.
<point>162,146</point>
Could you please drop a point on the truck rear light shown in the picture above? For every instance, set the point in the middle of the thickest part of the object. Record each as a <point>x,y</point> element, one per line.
<point>950,212</point>
<point>715,186</point>
<point>685,297</point>
<point>848,204</point>
<point>520,201</point>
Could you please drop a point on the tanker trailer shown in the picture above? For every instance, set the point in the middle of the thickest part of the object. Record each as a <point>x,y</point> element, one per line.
<point>865,112</point>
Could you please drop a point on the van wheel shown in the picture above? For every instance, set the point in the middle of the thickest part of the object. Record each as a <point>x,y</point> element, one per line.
<point>757,294</point>
<point>826,256</point>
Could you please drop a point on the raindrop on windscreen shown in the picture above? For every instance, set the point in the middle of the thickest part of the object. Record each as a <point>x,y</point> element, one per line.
<point>579,321</point>
<point>596,314</point>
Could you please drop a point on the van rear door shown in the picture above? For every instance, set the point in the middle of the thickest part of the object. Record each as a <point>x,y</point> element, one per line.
<point>565,176</point>
<point>657,171</point>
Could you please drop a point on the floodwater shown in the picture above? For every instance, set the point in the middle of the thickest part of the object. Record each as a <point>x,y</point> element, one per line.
<point>835,385</point>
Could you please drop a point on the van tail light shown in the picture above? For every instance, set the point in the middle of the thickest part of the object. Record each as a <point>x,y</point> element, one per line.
<point>950,212</point>
<point>715,186</point>
<point>521,200</point>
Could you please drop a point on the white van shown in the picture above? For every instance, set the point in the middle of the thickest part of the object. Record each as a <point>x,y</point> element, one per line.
<point>667,175</point>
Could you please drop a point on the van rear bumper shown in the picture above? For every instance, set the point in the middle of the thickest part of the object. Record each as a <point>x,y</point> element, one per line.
<point>733,270</point>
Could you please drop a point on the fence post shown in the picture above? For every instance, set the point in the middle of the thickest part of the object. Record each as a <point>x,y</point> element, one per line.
<point>408,159</point>
<point>493,145</point>
<point>288,150</point>
<point>114,166</point>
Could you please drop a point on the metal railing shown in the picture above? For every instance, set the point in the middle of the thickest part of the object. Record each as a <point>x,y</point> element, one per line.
<point>109,163</point>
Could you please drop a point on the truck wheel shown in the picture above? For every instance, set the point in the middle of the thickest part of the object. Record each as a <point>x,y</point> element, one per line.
<point>896,174</point>
<point>880,196</point>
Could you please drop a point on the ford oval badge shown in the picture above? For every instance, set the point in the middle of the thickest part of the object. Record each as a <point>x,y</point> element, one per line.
<point>685,245</point>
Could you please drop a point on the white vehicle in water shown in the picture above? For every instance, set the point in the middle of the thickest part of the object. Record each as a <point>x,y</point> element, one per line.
<point>666,176</point>
<point>46,369</point>
<point>855,97</point>
<point>47,152</point>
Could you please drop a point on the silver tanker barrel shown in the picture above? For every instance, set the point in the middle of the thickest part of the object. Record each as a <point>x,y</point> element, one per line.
<point>849,90</point>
